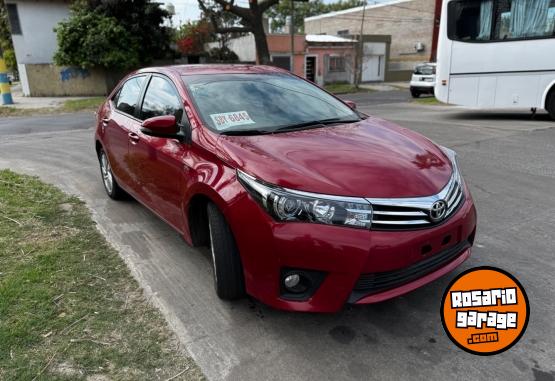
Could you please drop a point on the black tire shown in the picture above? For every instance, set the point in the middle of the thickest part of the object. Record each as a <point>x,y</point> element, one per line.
<point>550,104</point>
<point>226,262</point>
<point>415,94</point>
<point>114,191</point>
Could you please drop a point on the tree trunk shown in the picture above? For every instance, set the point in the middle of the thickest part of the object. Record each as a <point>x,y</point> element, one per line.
<point>262,51</point>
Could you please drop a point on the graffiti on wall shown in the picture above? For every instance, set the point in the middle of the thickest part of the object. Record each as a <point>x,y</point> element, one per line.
<point>73,72</point>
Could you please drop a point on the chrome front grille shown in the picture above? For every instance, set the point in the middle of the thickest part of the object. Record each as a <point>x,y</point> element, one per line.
<point>410,213</point>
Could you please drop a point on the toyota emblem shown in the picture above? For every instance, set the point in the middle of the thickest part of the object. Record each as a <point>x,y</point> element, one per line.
<point>438,210</point>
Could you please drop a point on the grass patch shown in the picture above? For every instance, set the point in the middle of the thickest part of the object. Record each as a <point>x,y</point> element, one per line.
<point>344,88</point>
<point>71,105</point>
<point>69,309</point>
<point>427,101</point>
<point>13,111</point>
<point>74,105</point>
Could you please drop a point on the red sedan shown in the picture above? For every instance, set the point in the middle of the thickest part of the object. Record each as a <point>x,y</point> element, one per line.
<point>306,203</point>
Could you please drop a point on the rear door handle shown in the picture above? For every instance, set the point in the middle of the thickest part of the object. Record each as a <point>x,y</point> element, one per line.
<point>133,137</point>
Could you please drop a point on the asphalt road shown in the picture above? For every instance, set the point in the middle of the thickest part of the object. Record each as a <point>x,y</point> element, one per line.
<point>46,123</point>
<point>507,160</point>
<point>365,100</point>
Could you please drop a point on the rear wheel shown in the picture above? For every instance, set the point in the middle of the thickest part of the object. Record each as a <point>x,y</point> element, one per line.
<point>550,104</point>
<point>110,184</point>
<point>226,262</point>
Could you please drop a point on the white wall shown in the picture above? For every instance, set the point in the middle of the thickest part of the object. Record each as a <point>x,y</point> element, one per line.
<point>244,47</point>
<point>37,42</point>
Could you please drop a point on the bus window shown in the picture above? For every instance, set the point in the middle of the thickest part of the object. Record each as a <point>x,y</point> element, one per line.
<point>508,19</point>
<point>470,20</point>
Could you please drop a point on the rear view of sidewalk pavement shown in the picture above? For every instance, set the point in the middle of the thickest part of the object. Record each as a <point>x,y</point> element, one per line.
<point>22,102</point>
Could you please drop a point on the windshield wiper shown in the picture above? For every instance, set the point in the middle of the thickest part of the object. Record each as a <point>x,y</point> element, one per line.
<point>288,127</point>
<point>314,124</point>
<point>245,132</point>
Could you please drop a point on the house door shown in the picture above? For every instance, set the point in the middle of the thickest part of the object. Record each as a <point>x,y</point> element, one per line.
<point>310,68</point>
<point>373,62</point>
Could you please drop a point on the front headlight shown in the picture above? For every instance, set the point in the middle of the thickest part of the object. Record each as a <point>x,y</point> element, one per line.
<point>290,205</point>
<point>452,155</point>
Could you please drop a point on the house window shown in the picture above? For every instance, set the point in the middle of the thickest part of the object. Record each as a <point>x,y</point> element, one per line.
<point>283,62</point>
<point>13,17</point>
<point>337,63</point>
<point>343,32</point>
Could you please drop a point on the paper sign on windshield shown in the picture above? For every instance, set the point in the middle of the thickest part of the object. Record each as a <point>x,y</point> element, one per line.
<point>231,119</point>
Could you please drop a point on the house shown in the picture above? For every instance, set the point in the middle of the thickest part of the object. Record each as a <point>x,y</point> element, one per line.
<point>32,26</point>
<point>397,35</point>
<point>321,59</point>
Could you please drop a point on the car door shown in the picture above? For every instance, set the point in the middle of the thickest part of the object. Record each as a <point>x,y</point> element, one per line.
<point>117,126</point>
<point>158,162</point>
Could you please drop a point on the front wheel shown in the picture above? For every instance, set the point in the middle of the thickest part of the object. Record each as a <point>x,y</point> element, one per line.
<point>226,262</point>
<point>415,94</point>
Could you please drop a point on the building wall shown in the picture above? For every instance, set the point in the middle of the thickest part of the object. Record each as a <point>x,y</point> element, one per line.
<point>407,22</point>
<point>35,48</point>
<point>51,80</point>
<point>280,44</point>
<point>322,53</point>
<point>243,46</point>
<point>37,42</point>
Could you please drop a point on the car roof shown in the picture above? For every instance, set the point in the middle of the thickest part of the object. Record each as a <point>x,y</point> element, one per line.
<point>213,69</point>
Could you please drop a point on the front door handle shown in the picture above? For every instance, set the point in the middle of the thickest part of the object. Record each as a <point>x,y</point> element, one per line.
<point>133,138</point>
<point>105,122</point>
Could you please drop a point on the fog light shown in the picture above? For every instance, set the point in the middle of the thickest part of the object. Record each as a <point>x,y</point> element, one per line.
<point>299,284</point>
<point>292,281</point>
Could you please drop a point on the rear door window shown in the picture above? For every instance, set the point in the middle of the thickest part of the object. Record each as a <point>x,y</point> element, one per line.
<point>127,98</point>
<point>425,70</point>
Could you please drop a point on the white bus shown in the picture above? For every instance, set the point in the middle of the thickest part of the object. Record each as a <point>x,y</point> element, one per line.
<point>497,54</point>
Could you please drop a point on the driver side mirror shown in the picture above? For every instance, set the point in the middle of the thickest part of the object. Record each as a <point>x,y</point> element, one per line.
<point>351,104</point>
<point>164,126</point>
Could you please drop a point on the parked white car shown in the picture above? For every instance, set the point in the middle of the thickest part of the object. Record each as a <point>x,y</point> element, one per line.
<point>423,79</point>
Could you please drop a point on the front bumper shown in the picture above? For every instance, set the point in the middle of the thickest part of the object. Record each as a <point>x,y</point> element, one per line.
<point>422,87</point>
<point>343,254</point>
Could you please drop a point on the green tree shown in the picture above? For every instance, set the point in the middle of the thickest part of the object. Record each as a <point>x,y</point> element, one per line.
<point>144,20</point>
<point>120,34</point>
<point>6,45</point>
<point>248,19</point>
<point>279,13</point>
<point>89,39</point>
<point>5,35</point>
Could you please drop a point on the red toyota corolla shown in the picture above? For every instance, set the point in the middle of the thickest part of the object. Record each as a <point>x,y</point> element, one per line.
<point>306,203</point>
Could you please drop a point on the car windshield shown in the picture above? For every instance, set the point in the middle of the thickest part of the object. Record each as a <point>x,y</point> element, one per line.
<point>425,70</point>
<point>262,103</point>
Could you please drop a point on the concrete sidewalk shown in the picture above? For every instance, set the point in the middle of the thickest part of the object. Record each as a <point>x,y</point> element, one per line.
<point>23,102</point>
<point>386,86</point>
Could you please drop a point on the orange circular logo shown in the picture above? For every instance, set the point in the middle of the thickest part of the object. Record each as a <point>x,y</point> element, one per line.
<point>485,310</point>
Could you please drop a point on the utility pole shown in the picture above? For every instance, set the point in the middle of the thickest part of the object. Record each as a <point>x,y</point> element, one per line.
<point>360,55</point>
<point>4,81</point>
<point>292,32</point>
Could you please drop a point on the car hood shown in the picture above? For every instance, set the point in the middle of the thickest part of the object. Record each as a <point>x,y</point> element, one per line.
<point>370,158</point>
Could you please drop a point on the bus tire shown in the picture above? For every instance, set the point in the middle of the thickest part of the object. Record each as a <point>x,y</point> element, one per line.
<point>550,104</point>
